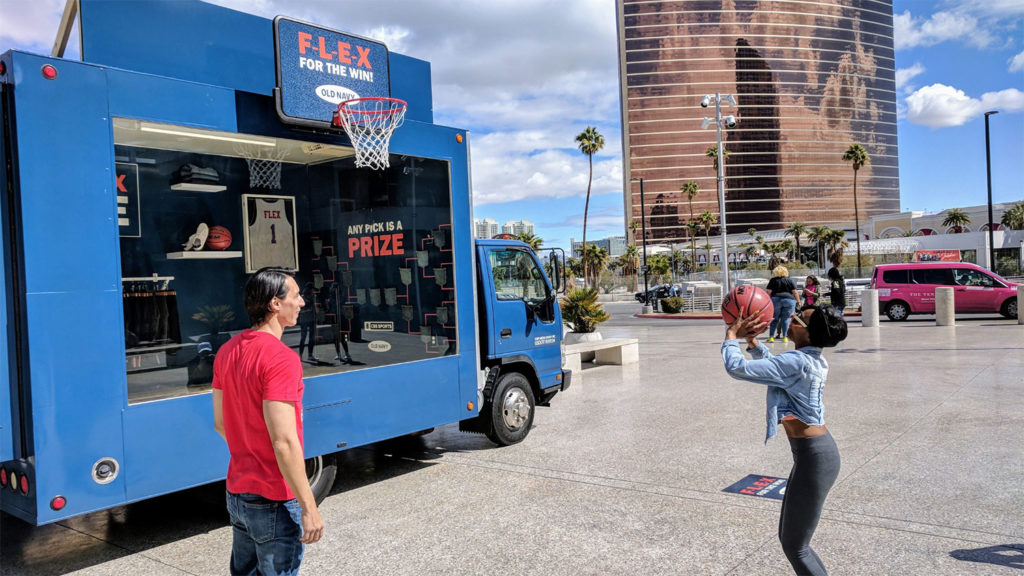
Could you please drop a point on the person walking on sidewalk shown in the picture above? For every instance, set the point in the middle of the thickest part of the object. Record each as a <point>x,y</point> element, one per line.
<point>836,289</point>
<point>812,289</point>
<point>784,300</point>
<point>257,409</point>
<point>795,382</point>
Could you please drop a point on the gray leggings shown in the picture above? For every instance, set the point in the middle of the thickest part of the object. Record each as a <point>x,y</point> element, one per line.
<point>815,468</point>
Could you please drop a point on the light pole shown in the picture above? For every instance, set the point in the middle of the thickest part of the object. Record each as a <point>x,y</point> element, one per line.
<point>730,122</point>
<point>643,240</point>
<point>988,170</point>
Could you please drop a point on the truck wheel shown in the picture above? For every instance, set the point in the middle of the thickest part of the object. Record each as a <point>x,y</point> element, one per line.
<point>511,408</point>
<point>321,472</point>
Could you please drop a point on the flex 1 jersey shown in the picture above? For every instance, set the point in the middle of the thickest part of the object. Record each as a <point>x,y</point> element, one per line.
<point>271,233</point>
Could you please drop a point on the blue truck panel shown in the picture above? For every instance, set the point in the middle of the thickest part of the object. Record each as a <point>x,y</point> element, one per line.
<point>68,405</point>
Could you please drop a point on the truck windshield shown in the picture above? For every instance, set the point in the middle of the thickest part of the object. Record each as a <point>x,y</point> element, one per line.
<point>199,211</point>
<point>517,276</point>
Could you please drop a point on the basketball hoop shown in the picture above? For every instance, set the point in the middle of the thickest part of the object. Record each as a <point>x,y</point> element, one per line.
<point>264,166</point>
<point>369,123</point>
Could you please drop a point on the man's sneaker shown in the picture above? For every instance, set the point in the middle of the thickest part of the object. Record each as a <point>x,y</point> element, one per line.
<point>197,240</point>
<point>785,340</point>
<point>771,339</point>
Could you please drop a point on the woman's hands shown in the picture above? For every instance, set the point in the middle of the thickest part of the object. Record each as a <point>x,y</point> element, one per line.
<point>746,329</point>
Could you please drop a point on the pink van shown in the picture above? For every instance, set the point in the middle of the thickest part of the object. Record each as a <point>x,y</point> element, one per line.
<point>905,289</point>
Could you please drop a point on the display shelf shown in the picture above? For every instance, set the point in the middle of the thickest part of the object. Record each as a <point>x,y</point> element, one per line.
<point>195,187</point>
<point>205,255</point>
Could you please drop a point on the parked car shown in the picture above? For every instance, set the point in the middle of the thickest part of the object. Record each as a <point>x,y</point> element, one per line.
<point>656,292</point>
<point>905,289</point>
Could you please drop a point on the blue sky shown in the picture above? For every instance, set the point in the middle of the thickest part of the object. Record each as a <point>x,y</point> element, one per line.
<point>525,79</point>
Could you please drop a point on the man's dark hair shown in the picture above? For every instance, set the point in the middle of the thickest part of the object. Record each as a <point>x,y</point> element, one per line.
<point>833,273</point>
<point>826,327</point>
<point>261,288</point>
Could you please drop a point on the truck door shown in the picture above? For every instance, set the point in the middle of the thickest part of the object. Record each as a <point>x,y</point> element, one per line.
<point>524,319</point>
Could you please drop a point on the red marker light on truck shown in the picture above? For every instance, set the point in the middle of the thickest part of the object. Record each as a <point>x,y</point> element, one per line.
<point>58,503</point>
<point>3,476</point>
<point>24,484</point>
<point>49,72</point>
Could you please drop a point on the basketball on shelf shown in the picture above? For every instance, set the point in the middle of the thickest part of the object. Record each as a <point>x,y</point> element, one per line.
<point>219,238</point>
<point>747,300</point>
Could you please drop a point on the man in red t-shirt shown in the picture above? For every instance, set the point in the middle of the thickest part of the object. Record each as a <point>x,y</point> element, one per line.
<point>257,408</point>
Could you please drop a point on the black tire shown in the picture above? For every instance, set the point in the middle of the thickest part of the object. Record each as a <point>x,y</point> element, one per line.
<point>511,409</point>
<point>321,472</point>
<point>897,310</point>
<point>1009,308</point>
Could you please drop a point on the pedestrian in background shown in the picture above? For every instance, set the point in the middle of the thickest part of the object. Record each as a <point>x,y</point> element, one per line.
<point>811,288</point>
<point>257,409</point>
<point>784,300</point>
<point>836,289</point>
<point>795,382</point>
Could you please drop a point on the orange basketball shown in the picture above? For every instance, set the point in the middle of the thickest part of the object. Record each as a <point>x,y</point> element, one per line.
<point>747,300</point>
<point>219,238</point>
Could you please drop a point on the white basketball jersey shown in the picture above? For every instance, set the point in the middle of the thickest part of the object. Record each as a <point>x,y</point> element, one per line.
<point>271,236</point>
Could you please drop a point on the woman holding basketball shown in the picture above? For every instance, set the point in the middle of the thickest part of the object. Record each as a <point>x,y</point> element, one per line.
<point>795,382</point>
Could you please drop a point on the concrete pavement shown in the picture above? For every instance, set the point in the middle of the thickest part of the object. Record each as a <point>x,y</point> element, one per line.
<point>624,474</point>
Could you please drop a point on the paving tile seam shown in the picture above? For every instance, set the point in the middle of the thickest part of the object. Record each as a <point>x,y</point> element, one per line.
<point>767,541</point>
<point>912,426</point>
<point>128,551</point>
<point>832,514</point>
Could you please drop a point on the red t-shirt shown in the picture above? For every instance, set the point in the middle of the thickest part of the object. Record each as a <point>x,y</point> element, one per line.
<point>252,367</point>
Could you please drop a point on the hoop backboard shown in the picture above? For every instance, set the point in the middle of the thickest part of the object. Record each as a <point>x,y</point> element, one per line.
<point>318,68</point>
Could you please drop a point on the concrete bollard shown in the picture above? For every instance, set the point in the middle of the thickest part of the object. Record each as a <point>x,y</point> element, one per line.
<point>944,306</point>
<point>1020,298</point>
<point>869,308</point>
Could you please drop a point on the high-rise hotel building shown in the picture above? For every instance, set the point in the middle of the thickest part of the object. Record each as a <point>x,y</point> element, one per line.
<point>810,77</point>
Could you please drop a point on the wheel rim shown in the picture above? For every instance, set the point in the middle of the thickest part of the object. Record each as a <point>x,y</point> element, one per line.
<point>515,409</point>
<point>898,311</point>
<point>1011,308</point>
<point>314,469</point>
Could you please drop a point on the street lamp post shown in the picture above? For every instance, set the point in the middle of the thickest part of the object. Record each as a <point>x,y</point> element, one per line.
<point>988,170</point>
<point>643,240</point>
<point>730,121</point>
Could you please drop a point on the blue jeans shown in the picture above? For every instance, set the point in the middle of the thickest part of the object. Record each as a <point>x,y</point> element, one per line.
<point>266,535</point>
<point>783,308</point>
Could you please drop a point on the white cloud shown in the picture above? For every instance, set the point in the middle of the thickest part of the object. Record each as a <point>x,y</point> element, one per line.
<point>1017,62</point>
<point>905,75</point>
<point>941,106</point>
<point>910,32</point>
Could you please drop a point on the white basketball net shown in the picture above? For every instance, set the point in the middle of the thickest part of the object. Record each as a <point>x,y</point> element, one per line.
<point>369,123</point>
<point>264,167</point>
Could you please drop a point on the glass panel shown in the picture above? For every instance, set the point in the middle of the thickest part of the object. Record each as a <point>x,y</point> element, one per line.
<point>895,276</point>
<point>939,276</point>
<point>971,277</point>
<point>372,252</point>
<point>517,276</point>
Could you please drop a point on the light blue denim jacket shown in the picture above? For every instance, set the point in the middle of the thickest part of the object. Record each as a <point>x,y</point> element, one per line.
<point>795,380</point>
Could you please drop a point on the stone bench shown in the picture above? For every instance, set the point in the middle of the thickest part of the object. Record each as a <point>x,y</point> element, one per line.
<point>616,351</point>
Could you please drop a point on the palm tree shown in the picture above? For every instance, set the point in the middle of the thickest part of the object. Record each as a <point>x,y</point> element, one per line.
<point>590,141</point>
<point>817,235</point>
<point>859,157</point>
<point>677,258</point>
<point>693,226</point>
<point>633,227</point>
<point>691,190</point>
<point>1013,217</point>
<point>836,241</point>
<point>659,265</point>
<point>797,229</point>
<point>956,219</point>
<point>752,232</point>
<point>707,220</point>
<point>631,262</point>
<point>713,154</point>
<point>535,242</point>
<point>595,262</point>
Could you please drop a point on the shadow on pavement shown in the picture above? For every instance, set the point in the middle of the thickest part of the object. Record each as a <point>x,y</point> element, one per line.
<point>1009,555</point>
